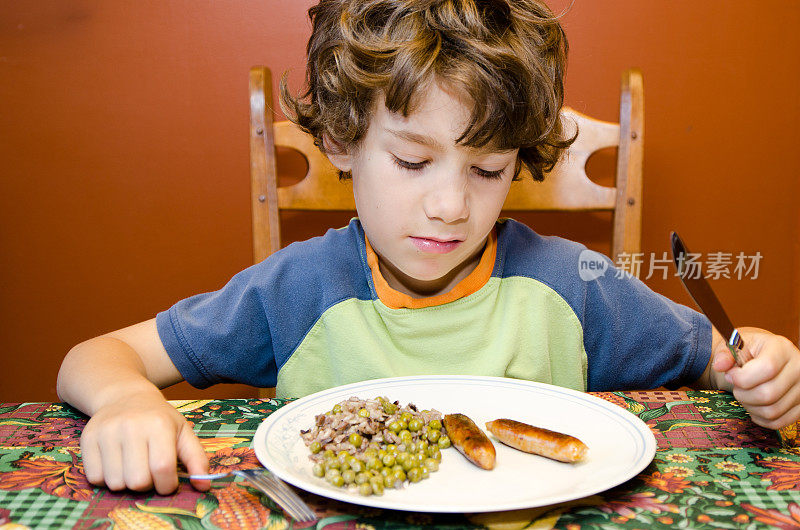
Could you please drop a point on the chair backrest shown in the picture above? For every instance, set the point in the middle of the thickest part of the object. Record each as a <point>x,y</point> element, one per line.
<point>566,187</point>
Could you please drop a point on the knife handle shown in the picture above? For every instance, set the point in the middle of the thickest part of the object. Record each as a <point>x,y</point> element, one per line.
<point>741,353</point>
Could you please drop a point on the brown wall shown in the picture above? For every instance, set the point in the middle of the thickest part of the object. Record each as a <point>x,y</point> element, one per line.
<point>124,162</point>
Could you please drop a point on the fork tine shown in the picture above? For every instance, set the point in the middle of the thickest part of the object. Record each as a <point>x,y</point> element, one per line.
<point>289,492</point>
<point>301,511</point>
<point>273,488</point>
<point>270,492</point>
<point>253,480</point>
<point>280,497</point>
<point>305,512</point>
<point>288,500</point>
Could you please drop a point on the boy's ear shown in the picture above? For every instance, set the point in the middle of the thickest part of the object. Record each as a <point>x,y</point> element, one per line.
<point>337,154</point>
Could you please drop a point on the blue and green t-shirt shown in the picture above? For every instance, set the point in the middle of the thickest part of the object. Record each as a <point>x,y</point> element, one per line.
<point>318,314</point>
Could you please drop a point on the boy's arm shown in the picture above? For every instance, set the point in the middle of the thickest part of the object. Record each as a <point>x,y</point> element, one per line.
<point>134,437</point>
<point>768,385</point>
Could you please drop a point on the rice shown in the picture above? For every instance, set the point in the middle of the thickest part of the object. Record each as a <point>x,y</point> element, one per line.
<point>333,429</point>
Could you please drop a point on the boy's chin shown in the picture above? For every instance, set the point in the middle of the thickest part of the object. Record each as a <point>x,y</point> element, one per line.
<point>427,280</point>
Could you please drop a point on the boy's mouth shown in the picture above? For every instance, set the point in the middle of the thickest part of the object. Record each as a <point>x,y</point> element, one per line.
<point>435,245</point>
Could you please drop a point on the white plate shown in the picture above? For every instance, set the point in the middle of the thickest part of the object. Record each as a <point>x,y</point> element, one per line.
<point>620,444</point>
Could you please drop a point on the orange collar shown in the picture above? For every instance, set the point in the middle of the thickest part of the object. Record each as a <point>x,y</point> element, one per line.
<point>473,282</point>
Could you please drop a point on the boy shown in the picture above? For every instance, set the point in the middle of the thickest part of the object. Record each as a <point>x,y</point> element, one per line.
<point>432,107</point>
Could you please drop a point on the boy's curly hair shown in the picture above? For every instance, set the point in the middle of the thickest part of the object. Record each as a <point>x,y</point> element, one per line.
<point>508,56</point>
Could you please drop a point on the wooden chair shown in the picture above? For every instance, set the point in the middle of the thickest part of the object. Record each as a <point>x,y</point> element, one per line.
<point>566,187</point>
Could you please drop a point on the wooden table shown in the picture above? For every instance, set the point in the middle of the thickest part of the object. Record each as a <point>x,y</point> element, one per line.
<point>714,468</point>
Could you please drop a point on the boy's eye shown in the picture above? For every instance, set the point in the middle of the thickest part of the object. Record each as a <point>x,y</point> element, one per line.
<point>489,174</point>
<point>416,166</point>
<point>405,164</point>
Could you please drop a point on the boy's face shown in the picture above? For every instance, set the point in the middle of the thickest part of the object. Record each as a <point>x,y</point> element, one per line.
<point>426,204</point>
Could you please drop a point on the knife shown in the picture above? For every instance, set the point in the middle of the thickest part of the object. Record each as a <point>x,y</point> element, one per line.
<point>709,304</point>
<point>704,296</point>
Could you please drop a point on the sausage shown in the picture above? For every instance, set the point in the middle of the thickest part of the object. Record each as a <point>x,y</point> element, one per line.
<point>536,440</point>
<point>470,440</point>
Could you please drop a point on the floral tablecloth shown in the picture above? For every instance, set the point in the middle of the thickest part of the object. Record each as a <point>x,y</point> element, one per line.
<point>713,469</point>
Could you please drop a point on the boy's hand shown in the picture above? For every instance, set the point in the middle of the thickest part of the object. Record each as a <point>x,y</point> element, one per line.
<point>768,385</point>
<point>136,441</point>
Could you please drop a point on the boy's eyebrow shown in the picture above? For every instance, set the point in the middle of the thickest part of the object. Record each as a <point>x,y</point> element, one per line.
<point>417,138</point>
<point>430,141</point>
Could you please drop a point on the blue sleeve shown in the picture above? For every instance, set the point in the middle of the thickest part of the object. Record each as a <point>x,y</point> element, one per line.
<point>634,337</point>
<point>637,338</point>
<point>222,336</point>
<point>246,331</point>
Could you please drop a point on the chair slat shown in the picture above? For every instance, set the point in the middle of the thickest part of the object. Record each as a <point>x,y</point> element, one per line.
<point>321,188</point>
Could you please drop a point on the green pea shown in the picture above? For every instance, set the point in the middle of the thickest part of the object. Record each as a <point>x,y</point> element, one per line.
<point>364,413</point>
<point>406,416</point>
<point>408,463</point>
<point>444,442</point>
<point>357,465</point>
<point>388,460</point>
<point>355,439</point>
<point>434,435</point>
<point>431,464</point>
<point>391,448</point>
<point>330,473</point>
<point>365,489</point>
<point>399,476</point>
<point>318,470</point>
<point>414,474</point>
<point>405,436</point>
<point>414,425</point>
<point>315,447</point>
<point>395,427</point>
<point>425,472</point>
<point>349,476</point>
<point>373,463</point>
<point>333,463</point>
<point>337,481</point>
<point>389,408</point>
<point>363,477</point>
<point>423,445</point>
<point>337,408</point>
<point>435,424</point>
<point>328,453</point>
<point>377,485</point>
<point>403,424</point>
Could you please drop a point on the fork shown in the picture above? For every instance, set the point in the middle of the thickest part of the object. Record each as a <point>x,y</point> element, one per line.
<point>271,486</point>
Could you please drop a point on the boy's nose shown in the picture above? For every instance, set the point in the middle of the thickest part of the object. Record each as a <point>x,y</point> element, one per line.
<point>447,202</point>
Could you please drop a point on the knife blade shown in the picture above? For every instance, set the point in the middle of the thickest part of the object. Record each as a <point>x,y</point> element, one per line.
<point>709,304</point>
